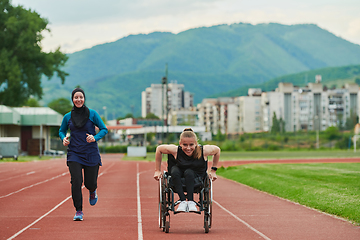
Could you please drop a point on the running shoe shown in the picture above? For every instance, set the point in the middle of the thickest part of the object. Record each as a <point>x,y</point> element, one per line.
<point>93,198</point>
<point>78,216</point>
<point>192,206</point>
<point>183,207</point>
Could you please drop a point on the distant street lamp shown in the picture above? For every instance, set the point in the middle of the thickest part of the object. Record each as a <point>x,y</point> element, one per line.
<point>105,115</point>
<point>165,108</point>
<point>317,130</point>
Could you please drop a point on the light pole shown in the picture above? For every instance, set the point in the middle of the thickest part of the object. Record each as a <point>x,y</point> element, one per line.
<point>104,107</point>
<point>317,131</point>
<point>165,109</point>
<point>105,115</point>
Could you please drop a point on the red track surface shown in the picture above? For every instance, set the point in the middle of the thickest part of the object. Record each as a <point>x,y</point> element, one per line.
<point>35,203</point>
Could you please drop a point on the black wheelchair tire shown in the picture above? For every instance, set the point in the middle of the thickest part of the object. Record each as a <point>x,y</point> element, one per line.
<point>167,226</point>
<point>162,202</point>
<point>206,225</point>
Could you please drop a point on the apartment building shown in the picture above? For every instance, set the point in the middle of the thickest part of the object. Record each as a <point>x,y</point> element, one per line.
<point>313,107</point>
<point>153,99</point>
<point>208,114</point>
<point>249,111</point>
<point>184,116</point>
<point>309,108</point>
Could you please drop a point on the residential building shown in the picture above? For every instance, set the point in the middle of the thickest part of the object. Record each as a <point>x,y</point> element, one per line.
<point>207,114</point>
<point>313,107</point>
<point>249,111</point>
<point>153,99</point>
<point>214,115</point>
<point>184,116</point>
<point>309,108</point>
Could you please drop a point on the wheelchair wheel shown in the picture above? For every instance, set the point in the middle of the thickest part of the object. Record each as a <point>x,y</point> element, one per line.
<point>206,226</point>
<point>208,199</point>
<point>162,203</point>
<point>167,226</point>
<point>211,203</point>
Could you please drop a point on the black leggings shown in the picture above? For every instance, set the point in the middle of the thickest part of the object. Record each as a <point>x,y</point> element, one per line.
<point>90,181</point>
<point>189,175</point>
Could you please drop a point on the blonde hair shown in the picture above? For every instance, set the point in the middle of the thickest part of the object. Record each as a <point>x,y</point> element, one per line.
<point>189,133</point>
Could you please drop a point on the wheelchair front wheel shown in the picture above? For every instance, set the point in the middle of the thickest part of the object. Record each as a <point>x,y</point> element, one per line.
<point>206,224</point>
<point>208,200</point>
<point>162,202</point>
<point>167,226</point>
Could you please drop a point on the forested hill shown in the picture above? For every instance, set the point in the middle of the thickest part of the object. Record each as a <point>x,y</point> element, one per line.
<point>208,60</point>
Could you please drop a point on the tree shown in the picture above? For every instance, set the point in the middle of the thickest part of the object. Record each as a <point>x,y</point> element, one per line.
<point>219,136</point>
<point>61,105</point>
<point>275,128</point>
<point>282,125</point>
<point>22,61</point>
<point>151,116</point>
<point>128,115</point>
<point>357,81</point>
<point>340,122</point>
<point>351,121</point>
<point>332,133</point>
<point>32,102</point>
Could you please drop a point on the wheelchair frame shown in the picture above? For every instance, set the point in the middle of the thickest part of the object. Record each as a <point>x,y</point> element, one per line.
<point>167,204</point>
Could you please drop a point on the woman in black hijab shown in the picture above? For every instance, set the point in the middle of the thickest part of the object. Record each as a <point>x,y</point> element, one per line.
<point>83,151</point>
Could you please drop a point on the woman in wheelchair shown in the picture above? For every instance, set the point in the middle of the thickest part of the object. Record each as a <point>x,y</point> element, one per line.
<point>191,162</point>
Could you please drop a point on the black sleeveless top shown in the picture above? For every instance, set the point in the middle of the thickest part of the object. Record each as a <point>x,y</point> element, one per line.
<point>184,162</point>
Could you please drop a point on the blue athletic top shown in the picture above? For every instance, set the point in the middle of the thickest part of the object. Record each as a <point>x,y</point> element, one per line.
<point>79,150</point>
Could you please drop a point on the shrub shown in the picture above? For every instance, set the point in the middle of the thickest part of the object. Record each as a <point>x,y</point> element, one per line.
<point>273,147</point>
<point>151,148</point>
<point>344,143</point>
<point>229,146</point>
<point>114,149</point>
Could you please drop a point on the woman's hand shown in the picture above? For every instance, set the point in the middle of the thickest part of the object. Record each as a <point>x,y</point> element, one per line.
<point>157,175</point>
<point>90,138</point>
<point>212,175</point>
<point>66,141</point>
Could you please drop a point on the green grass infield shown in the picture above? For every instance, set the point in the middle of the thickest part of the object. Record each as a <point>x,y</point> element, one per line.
<point>248,155</point>
<point>333,188</point>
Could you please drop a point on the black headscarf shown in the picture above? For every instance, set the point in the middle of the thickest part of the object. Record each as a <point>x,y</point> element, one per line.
<point>79,116</point>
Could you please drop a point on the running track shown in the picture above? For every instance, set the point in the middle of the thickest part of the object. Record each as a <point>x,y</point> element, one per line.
<point>35,203</point>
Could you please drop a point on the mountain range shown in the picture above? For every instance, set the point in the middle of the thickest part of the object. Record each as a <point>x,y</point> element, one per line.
<point>209,61</point>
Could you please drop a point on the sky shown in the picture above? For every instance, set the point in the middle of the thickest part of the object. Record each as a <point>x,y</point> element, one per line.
<point>79,24</point>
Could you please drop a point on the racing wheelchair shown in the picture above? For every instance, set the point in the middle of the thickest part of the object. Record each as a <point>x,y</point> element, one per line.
<point>167,203</point>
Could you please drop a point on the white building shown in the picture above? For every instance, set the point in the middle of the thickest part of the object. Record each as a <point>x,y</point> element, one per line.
<point>153,99</point>
<point>250,111</point>
<point>313,107</point>
<point>207,114</point>
<point>184,116</point>
<point>215,115</point>
<point>310,107</point>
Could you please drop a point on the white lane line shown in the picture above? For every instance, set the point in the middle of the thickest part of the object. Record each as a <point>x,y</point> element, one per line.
<point>242,221</point>
<point>140,232</point>
<point>33,185</point>
<point>21,175</point>
<point>37,220</point>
